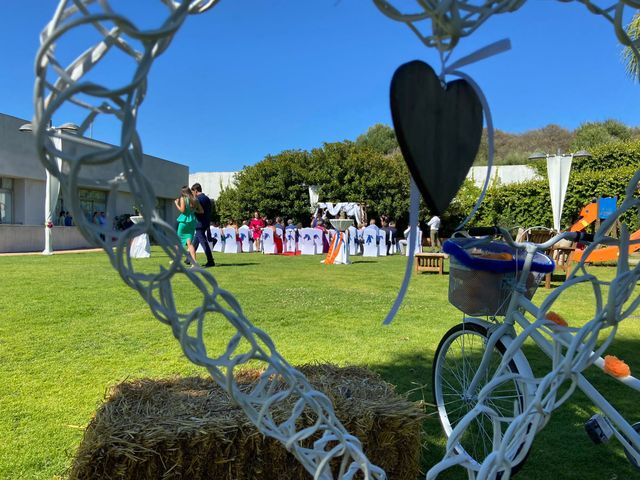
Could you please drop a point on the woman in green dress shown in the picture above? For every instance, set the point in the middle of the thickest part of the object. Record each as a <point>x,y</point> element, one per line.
<point>188,206</point>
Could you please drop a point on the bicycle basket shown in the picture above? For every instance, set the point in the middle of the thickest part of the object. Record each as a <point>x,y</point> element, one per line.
<point>482,274</point>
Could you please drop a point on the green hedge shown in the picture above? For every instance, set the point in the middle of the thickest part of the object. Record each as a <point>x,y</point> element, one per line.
<point>610,155</point>
<point>529,204</point>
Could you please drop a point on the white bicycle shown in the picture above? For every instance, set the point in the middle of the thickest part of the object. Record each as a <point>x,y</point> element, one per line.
<point>482,380</point>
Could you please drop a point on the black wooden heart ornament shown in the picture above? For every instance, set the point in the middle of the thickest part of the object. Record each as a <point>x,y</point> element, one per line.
<point>438,129</point>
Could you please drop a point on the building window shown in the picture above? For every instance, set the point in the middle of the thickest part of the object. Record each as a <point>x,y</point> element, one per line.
<point>6,200</point>
<point>92,201</point>
<point>163,207</point>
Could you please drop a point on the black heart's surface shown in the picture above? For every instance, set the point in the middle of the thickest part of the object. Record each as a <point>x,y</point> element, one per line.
<point>438,129</point>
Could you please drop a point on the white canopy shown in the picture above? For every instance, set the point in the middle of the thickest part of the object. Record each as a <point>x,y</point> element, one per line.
<point>352,209</point>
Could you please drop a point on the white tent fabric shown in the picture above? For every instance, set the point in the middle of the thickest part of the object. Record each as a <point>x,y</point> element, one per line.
<point>306,243</point>
<point>231,245</point>
<point>268,244</point>
<point>382,243</point>
<point>353,240</point>
<point>352,209</point>
<point>246,240</point>
<point>558,169</point>
<point>289,244</point>
<point>370,235</point>
<point>216,233</point>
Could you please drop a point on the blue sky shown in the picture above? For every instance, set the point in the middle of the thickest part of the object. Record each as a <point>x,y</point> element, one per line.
<point>255,77</point>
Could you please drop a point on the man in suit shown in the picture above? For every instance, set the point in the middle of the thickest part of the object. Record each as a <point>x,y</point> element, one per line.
<point>204,220</point>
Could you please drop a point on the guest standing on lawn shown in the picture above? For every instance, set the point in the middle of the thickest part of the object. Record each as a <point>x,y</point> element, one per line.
<point>187,205</point>
<point>256,225</point>
<point>434,226</point>
<point>204,221</point>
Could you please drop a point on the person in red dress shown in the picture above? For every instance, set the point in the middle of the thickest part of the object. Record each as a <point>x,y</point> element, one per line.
<point>256,225</point>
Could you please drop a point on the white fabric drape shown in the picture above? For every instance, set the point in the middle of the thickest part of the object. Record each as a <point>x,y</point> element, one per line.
<point>352,209</point>
<point>140,245</point>
<point>53,185</point>
<point>558,169</point>
<point>314,195</point>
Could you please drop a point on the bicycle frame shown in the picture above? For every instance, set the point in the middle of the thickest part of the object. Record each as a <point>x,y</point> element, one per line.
<point>623,431</point>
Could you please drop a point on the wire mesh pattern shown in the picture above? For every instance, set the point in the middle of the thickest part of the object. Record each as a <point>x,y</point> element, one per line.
<point>574,350</point>
<point>326,449</point>
<point>452,20</point>
<point>614,300</point>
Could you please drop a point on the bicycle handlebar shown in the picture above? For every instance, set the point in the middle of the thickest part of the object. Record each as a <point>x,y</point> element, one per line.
<point>482,231</point>
<point>495,230</point>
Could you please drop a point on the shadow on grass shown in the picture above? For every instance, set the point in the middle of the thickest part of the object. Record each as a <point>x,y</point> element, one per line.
<point>411,374</point>
<point>218,265</point>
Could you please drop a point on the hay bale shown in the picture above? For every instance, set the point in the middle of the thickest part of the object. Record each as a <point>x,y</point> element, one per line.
<point>187,428</point>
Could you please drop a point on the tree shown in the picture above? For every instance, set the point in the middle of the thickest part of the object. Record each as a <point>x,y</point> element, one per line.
<point>349,172</point>
<point>345,172</point>
<point>633,64</point>
<point>591,134</point>
<point>274,186</point>
<point>514,149</point>
<point>380,138</point>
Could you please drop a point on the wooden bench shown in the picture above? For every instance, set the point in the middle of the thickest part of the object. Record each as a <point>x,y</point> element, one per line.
<point>430,262</point>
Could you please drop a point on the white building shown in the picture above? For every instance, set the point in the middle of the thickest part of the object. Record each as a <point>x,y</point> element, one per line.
<point>212,183</point>
<point>22,192</point>
<point>503,174</point>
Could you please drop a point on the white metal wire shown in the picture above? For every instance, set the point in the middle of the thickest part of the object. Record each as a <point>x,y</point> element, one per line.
<point>452,20</point>
<point>60,83</point>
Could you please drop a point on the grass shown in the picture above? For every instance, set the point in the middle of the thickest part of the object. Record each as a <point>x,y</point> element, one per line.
<point>70,328</point>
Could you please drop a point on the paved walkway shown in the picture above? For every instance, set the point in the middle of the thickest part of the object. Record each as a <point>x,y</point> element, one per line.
<point>57,252</point>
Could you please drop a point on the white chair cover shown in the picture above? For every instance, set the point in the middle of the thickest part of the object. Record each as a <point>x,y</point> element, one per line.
<point>140,247</point>
<point>289,243</point>
<point>246,239</point>
<point>268,245</point>
<point>382,243</point>
<point>395,248</point>
<point>418,243</point>
<point>354,246</point>
<point>231,244</point>
<point>370,247</point>
<point>280,233</point>
<point>317,239</point>
<point>306,242</point>
<point>216,232</point>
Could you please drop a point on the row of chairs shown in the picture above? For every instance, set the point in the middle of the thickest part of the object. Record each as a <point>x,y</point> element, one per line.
<point>368,242</point>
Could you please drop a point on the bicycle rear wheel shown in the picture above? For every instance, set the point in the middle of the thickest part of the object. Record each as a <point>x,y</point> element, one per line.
<point>456,361</point>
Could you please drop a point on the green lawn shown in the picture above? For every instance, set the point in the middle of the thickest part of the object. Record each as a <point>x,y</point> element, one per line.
<point>70,328</point>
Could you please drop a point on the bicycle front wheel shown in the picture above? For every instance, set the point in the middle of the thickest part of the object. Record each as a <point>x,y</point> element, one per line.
<point>456,361</point>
